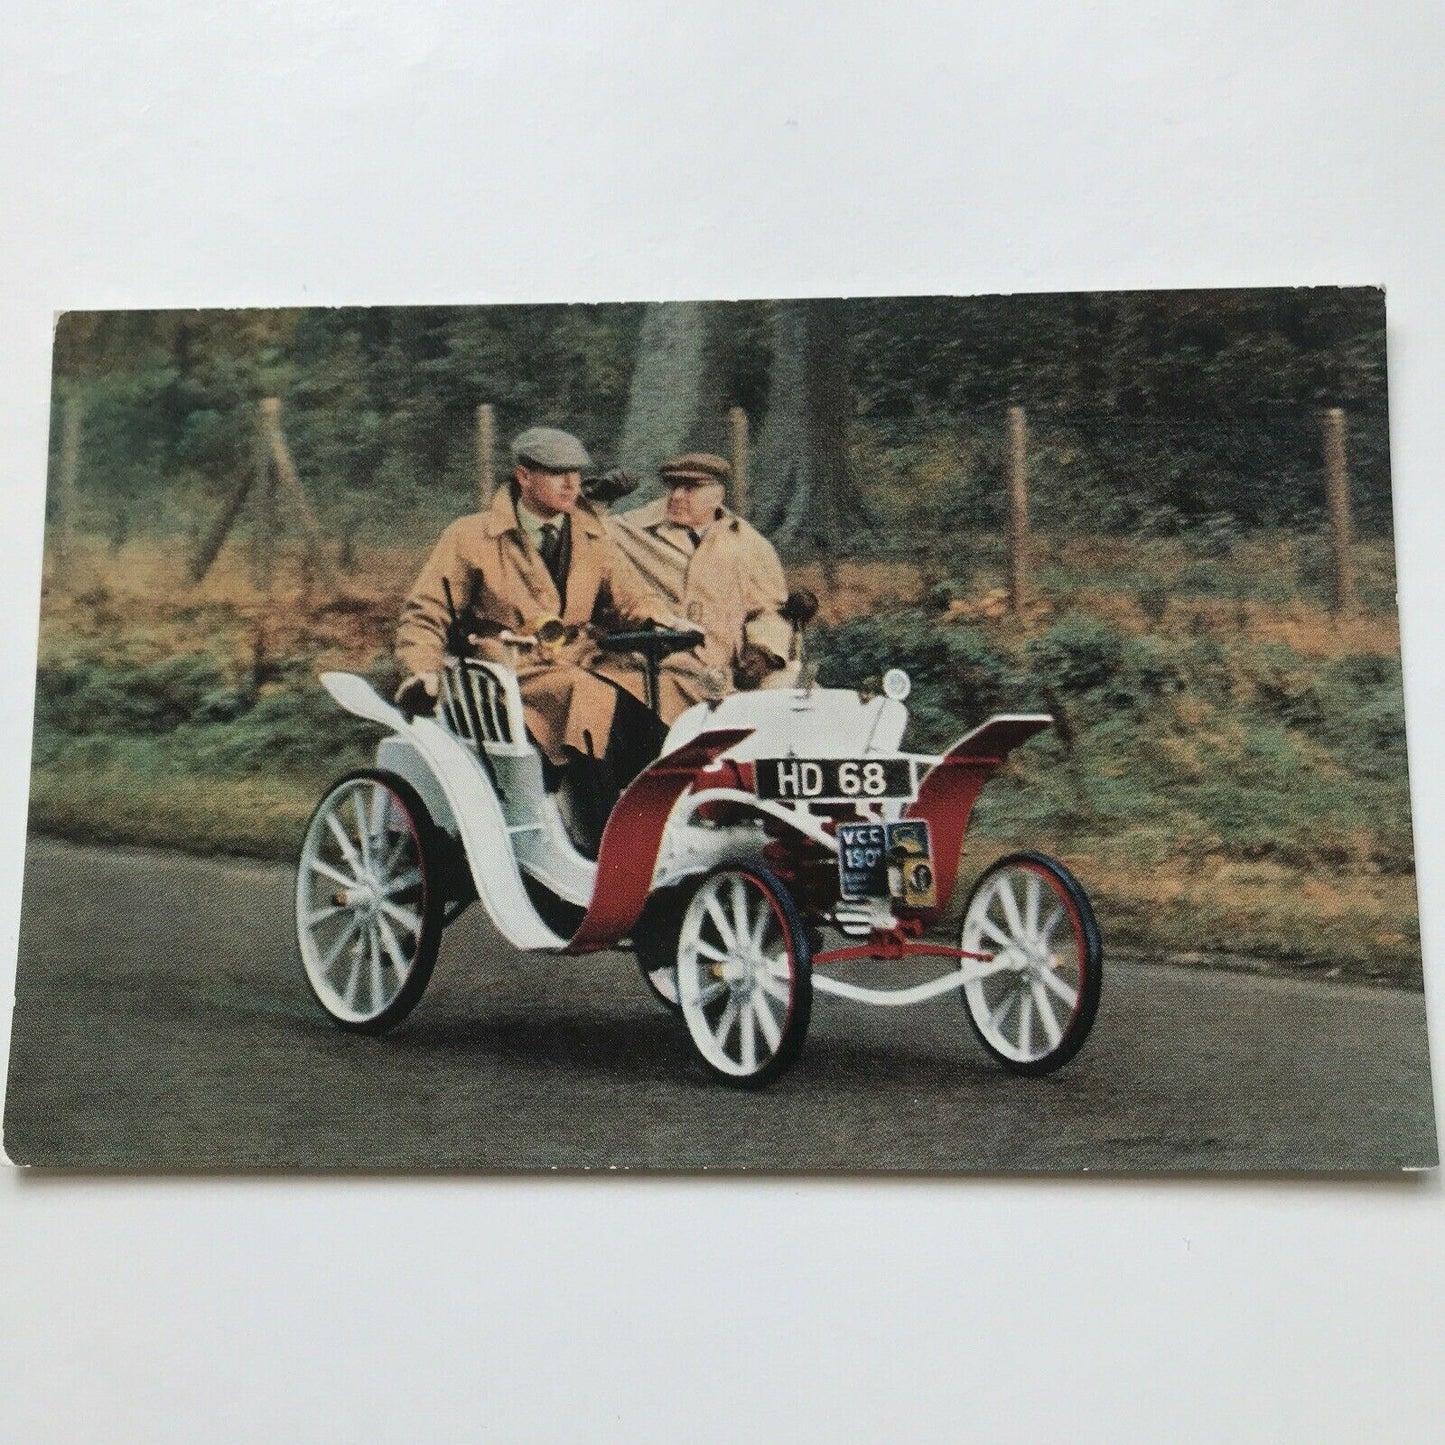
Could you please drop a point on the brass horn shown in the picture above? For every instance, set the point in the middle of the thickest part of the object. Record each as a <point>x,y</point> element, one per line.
<point>551,636</point>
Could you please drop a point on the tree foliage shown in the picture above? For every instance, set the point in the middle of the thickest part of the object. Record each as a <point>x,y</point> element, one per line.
<point>1155,411</point>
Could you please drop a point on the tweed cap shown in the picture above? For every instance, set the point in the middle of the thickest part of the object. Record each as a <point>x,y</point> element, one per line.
<point>550,450</point>
<point>695,468</point>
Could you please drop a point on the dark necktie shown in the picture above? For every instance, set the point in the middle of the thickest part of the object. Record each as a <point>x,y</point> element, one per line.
<point>695,538</point>
<point>556,553</point>
<point>551,546</point>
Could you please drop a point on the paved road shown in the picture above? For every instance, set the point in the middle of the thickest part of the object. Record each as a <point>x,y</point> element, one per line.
<point>161,1021</point>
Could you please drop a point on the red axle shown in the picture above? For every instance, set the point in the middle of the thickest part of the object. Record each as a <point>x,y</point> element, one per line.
<point>900,941</point>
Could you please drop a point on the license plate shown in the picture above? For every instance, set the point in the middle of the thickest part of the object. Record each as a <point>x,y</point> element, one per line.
<point>832,780</point>
<point>886,860</point>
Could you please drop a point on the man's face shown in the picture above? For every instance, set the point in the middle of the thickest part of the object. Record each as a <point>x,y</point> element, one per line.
<point>693,504</point>
<point>548,493</point>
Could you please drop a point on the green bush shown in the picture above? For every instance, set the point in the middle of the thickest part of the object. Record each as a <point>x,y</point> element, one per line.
<point>1286,686</point>
<point>1204,667</point>
<point>1077,656</point>
<point>958,676</point>
<point>92,697</point>
<point>292,732</point>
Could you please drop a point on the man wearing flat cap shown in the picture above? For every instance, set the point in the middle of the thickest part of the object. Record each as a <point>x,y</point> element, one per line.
<point>538,553</point>
<point>719,573</point>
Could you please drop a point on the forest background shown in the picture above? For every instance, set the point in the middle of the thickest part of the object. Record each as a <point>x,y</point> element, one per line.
<point>1228,776</point>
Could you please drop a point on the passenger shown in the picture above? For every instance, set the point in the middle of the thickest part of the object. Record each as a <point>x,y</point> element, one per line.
<point>538,553</point>
<point>719,573</point>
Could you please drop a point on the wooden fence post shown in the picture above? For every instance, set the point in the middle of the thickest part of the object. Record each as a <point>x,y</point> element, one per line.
<point>65,496</point>
<point>1337,493</point>
<point>263,550</point>
<point>1018,509</point>
<point>486,453</point>
<point>738,441</point>
<point>287,479</point>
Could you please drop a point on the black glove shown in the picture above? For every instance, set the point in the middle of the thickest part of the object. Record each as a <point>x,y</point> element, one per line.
<point>609,487</point>
<point>417,696</point>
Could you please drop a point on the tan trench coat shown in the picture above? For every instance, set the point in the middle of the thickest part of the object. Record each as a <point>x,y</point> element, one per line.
<point>498,580</point>
<point>730,588</point>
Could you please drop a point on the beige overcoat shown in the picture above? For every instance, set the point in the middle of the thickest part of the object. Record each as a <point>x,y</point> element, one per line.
<point>730,588</point>
<point>498,580</point>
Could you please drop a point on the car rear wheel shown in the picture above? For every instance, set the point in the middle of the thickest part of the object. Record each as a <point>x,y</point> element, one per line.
<point>370,901</point>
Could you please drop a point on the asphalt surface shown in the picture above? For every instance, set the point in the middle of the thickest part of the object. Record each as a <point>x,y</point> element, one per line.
<point>162,1022</point>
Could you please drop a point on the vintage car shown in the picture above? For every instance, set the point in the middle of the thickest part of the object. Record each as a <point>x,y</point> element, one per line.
<point>769,819</point>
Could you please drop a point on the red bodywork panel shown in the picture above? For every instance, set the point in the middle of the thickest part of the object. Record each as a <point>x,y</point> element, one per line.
<point>628,855</point>
<point>947,795</point>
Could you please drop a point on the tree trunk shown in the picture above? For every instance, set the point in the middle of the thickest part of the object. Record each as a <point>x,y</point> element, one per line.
<point>676,403</point>
<point>803,494</point>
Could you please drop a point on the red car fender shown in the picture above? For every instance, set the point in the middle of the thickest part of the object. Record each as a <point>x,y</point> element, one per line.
<point>947,794</point>
<point>633,836</point>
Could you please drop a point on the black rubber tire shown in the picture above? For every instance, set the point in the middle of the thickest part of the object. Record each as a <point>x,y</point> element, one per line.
<point>795,936</point>
<point>1091,966</point>
<point>433,856</point>
<point>654,940</point>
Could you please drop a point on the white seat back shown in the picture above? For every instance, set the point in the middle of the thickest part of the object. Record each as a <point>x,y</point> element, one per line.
<point>481,703</point>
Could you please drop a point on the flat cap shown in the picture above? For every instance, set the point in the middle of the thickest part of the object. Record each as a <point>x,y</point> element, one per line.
<point>695,467</point>
<point>550,449</point>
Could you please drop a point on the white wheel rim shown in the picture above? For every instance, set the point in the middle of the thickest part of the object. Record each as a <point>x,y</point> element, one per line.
<point>1025,919</point>
<point>736,976</point>
<point>360,899</point>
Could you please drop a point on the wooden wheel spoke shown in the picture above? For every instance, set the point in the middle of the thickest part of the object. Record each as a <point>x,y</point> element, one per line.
<point>380,802</point>
<point>343,841</point>
<point>393,948</point>
<point>362,829</point>
<point>708,993</point>
<point>994,932</point>
<point>334,874</point>
<point>378,988</point>
<point>772,984</point>
<point>407,917</point>
<point>748,1036</point>
<point>1026,1016</point>
<point>1060,989</point>
<point>1045,1011</point>
<point>742,929</point>
<point>1047,932</point>
<point>763,1011</point>
<point>720,922</point>
<point>726,1022</point>
<point>996,1018</point>
<point>716,954</point>
<point>409,879</point>
<point>1010,905</point>
<point>346,935</point>
<point>353,980</point>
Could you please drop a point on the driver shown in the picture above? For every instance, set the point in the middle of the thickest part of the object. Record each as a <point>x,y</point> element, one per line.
<point>540,553</point>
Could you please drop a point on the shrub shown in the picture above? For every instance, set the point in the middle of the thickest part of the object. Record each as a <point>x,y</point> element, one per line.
<point>1285,687</point>
<point>92,697</point>
<point>1215,534</point>
<point>1153,600</point>
<point>1205,670</point>
<point>1077,656</point>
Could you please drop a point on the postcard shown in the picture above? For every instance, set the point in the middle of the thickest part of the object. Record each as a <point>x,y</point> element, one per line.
<point>925,734</point>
